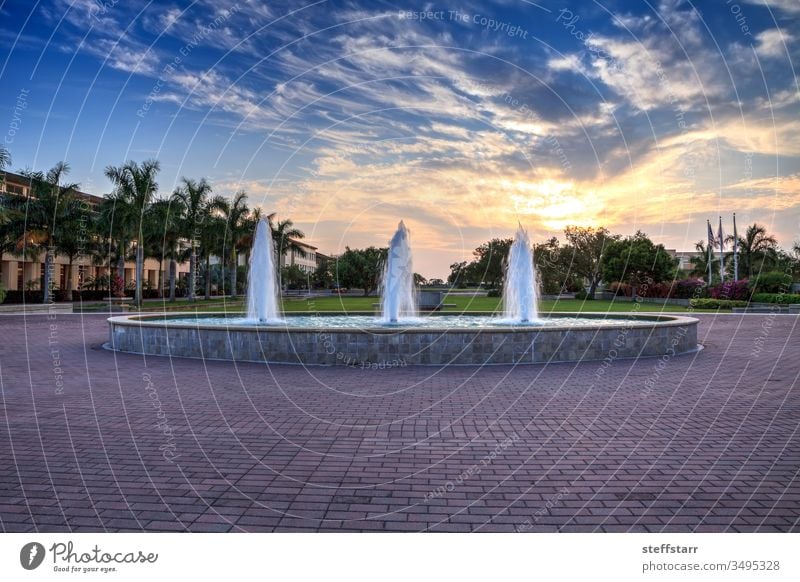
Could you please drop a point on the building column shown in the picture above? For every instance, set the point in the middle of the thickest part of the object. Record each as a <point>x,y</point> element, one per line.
<point>9,277</point>
<point>31,272</point>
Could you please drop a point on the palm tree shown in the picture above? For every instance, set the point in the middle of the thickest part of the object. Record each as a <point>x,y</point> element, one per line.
<point>194,196</point>
<point>44,215</point>
<point>251,222</point>
<point>212,239</point>
<point>237,227</point>
<point>7,240</point>
<point>160,236</point>
<point>5,161</point>
<point>114,225</point>
<point>700,262</point>
<point>756,248</point>
<point>136,185</point>
<point>72,242</point>
<point>284,234</point>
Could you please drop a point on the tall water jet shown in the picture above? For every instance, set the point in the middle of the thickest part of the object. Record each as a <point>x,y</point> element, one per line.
<point>520,290</point>
<point>398,296</point>
<point>262,280</point>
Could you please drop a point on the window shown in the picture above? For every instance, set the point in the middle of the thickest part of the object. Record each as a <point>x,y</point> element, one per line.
<point>15,189</point>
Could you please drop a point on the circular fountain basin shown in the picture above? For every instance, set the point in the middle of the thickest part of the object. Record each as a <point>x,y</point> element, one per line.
<point>365,341</point>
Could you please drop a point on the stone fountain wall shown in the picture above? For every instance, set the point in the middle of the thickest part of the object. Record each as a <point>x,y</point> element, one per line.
<point>380,347</point>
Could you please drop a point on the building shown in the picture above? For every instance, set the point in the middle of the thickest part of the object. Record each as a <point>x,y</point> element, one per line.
<point>301,254</point>
<point>684,258</point>
<point>19,273</point>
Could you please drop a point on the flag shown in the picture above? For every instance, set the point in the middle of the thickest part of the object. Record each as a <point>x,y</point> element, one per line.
<point>720,236</point>
<point>711,239</point>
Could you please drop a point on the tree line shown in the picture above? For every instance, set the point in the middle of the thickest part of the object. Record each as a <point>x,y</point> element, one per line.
<point>133,223</point>
<point>589,256</point>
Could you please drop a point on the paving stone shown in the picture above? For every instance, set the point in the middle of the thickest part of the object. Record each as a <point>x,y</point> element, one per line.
<point>705,442</point>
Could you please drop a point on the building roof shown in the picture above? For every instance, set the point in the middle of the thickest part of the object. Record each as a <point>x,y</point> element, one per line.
<point>300,243</point>
<point>20,180</point>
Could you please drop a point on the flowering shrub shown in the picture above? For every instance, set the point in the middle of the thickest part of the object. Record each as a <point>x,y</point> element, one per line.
<point>734,290</point>
<point>658,290</point>
<point>117,286</point>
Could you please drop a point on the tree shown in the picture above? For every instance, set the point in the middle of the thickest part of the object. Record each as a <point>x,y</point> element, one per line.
<point>757,250</point>
<point>43,216</point>
<point>637,261</point>
<point>552,266</point>
<point>73,239</point>
<point>700,262</point>
<point>458,274</point>
<point>135,185</point>
<point>490,260</point>
<point>587,246</point>
<point>5,161</point>
<point>194,196</point>
<point>283,234</point>
<point>8,220</point>
<point>162,239</point>
<point>237,227</point>
<point>212,240</point>
<point>361,268</point>
<point>322,276</point>
<point>294,276</point>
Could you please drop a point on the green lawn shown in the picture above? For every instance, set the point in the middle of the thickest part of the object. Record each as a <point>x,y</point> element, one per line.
<point>460,303</point>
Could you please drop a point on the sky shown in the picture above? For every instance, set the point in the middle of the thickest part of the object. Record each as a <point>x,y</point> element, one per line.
<point>463,119</point>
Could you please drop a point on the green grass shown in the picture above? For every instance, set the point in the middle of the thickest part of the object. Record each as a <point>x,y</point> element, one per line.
<point>460,302</point>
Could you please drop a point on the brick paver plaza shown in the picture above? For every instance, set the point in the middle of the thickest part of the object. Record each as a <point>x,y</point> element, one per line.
<point>92,440</point>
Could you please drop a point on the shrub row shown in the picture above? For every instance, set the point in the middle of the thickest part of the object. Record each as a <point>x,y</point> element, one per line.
<point>708,303</point>
<point>686,289</point>
<point>780,298</point>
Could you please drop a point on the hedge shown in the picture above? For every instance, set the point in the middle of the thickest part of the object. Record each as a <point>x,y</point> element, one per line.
<point>780,298</point>
<point>771,282</point>
<point>704,303</point>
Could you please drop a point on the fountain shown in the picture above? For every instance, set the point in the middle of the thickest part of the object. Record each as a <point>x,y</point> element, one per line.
<point>396,337</point>
<point>520,287</point>
<point>398,296</point>
<point>262,279</point>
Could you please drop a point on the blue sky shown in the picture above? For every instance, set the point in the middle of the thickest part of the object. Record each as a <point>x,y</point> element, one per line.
<point>461,118</point>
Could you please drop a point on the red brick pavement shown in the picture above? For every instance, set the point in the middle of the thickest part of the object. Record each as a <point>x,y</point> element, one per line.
<point>92,440</point>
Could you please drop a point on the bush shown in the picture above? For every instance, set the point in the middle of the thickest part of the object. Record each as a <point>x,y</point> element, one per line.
<point>494,293</point>
<point>772,282</point>
<point>689,289</point>
<point>736,290</point>
<point>23,297</point>
<point>622,289</point>
<point>657,290</point>
<point>2,293</point>
<point>716,303</point>
<point>583,295</point>
<point>89,295</point>
<point>780,298</point>
<point>117,286</point>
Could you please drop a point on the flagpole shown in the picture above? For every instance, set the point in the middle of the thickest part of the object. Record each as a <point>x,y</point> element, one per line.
<point>735,251</point>
<point>710,246</point>
<point>721,252</point>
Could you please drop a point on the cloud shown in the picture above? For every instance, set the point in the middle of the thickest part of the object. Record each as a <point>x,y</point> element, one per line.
<point>788,6</point>
<point>772,43</point>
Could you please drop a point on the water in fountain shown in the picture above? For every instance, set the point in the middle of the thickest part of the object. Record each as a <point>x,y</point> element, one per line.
<point>398,294</point>
<point>520,290</point>
<point>262,280</point>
